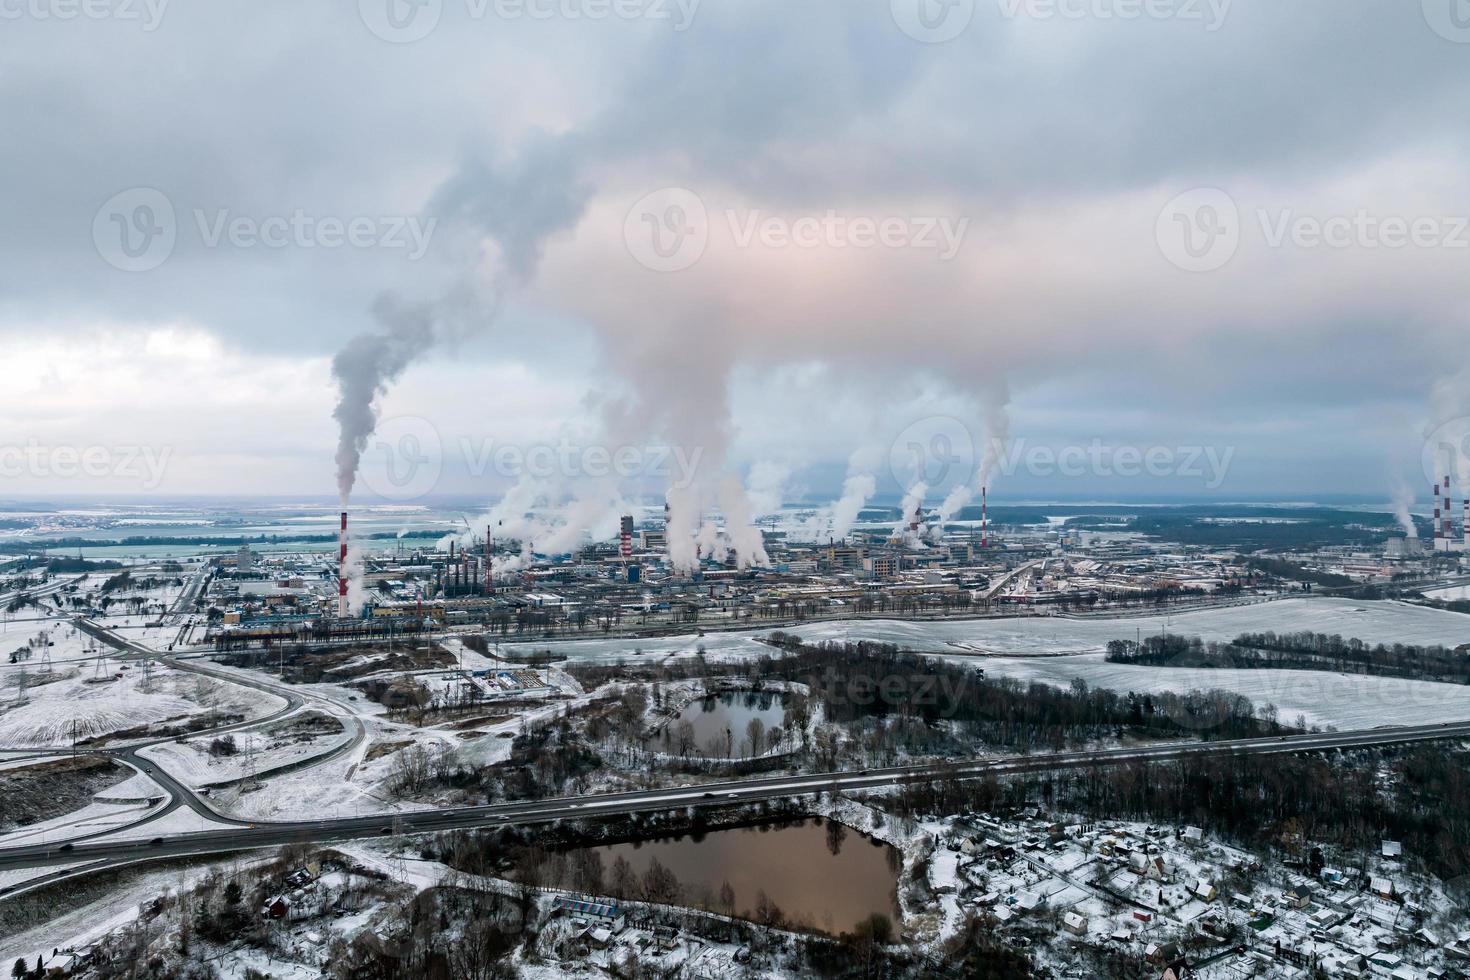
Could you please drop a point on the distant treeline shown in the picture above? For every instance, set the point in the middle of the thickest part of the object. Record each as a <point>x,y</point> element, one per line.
<point>864,681</point>
<point>1297,651</point>
<point>1281,568</point>
<point>1267,529</point>
<point>144,541</point>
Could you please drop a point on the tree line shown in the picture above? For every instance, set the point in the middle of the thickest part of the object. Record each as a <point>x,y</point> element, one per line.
<point>1297,651</point>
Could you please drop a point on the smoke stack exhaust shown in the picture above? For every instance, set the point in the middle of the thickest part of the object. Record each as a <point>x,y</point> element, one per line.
<point>342,569</point>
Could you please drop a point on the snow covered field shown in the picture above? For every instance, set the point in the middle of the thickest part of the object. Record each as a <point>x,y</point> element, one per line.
<point>1055,649</point>
<point>79,700</point>
<point>255,751</point>
<point>1374,622</point>
<point>1344,701</point>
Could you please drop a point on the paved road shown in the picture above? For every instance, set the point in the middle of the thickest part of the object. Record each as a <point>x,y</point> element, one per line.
<point>104,854</point>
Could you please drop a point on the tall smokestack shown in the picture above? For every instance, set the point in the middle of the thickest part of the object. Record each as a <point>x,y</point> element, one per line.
<point>1438,529</point>
<point>342,569</point>
<point>984,517</point>
<point>1465,527</point>
<point>625,545</point>
<point>489,560</point>
<point>1449,515</point>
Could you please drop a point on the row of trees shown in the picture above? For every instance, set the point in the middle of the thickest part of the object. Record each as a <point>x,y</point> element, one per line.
<point>1297,651</point>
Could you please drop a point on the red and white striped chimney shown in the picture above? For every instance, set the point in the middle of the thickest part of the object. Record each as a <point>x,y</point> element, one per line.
<point>342,569</point>
<point>489,561</point>
<point>984,518</point>
<point>1449,515</point>
<point>1437,526</point>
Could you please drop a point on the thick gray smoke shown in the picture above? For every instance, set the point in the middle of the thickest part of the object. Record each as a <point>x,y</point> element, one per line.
<point>502,217</point>
<point>363,371</point>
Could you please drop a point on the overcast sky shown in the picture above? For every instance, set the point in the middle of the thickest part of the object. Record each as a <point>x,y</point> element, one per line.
<point>777,231</point>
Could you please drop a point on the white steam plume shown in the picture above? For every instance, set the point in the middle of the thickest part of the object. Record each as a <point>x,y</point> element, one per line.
<point>747,541</point>
<point>1403,499</point>
<point>913,502</point>
<point>837,520</point>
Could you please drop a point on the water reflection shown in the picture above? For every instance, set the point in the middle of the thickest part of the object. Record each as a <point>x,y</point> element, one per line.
<point>808,873</point>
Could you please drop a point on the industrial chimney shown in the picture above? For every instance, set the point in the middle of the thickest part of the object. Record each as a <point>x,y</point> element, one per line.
<point>1449,515</point>
<point>342,569</point>
<point>1438,528</point>
<point>625,545</point>
<point>489,560</point>
<point>984,518</point>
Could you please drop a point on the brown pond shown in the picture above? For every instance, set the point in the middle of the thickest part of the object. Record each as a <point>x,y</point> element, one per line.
<point>821,874</point>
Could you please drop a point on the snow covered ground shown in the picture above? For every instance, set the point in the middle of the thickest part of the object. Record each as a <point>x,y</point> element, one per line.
<point>1374,622</point>
<point>1344,701</point>
<point>255,751</point>
<point>94,818</point>
<point>90,700</point>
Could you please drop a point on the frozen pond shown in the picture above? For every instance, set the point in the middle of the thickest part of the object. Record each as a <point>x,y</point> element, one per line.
<point>722,722</point>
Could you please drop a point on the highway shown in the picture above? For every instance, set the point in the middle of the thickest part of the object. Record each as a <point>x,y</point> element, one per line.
<point>107,854</point>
